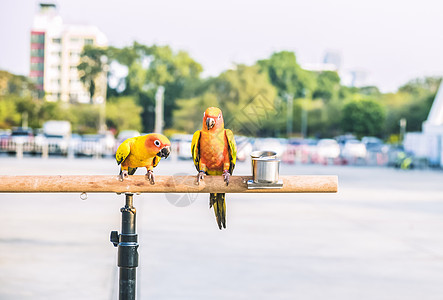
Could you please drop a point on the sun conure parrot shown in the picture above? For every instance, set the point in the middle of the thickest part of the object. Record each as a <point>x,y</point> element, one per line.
<point>142,151</point>
<point>214,153</point>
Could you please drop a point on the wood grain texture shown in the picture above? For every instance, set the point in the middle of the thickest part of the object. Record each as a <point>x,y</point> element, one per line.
<point>163,184</point>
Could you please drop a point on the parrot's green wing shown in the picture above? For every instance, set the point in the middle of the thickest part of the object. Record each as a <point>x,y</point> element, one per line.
<point>195,149</point>
<point>123,151</point>
<point>232,149</point>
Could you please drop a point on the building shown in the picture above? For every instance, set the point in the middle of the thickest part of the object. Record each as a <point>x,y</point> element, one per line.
<point>55,54</point>
<point>429,142</point>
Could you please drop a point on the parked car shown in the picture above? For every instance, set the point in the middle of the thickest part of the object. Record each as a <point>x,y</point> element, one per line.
<point>300,150</point>
<point>39,140</point>
<point>90,145</point>
<point>244,147</point>
<point>74,142</point>
<point>108,142</point>
<point>4,138</point>
<point>373,144</point>
<point>57,134</point>
<point>342,139</point>
<point>21,137</point>
<point>270,144</point>
<point>353,149</point>
<point>327,149</point>
<point>181,144</point>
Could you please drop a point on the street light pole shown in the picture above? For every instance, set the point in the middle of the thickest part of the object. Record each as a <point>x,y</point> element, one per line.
<point>402,129</point>
<point>159,109</point>
<point>304,116</point>
<point>289,115</point>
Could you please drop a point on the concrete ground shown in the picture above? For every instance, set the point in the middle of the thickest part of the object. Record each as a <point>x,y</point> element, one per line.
<point>379,238</point>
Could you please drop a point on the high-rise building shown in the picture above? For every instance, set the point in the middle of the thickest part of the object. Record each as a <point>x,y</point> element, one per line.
<point>55,54</point>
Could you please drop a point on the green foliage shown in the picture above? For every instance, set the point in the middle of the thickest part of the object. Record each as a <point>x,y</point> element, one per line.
<point>152,66</point>
<point>286,74</point>
<point>364,117</point>
<point>253,98</point>
<point>18,85</point>
<point>328,86</point>
<point>9,116</point>
<point>91,66</point>
<point>245,96</point>
<point>123,114</point>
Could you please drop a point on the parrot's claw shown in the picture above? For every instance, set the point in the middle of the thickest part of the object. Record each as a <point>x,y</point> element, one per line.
<point>150,176</point>
<point>124,174</point>
<point>226,176</point>
<point>200,176</point>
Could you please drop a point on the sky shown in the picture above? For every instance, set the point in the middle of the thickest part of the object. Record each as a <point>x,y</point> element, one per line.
<point>393,41</point>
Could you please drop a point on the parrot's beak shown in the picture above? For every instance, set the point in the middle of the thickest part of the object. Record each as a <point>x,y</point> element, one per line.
<point>164,152</point>
<point>210,122</point>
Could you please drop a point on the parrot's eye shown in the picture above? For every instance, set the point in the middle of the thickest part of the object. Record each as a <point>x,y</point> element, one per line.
<point>219,116</point>
<point>157,143</point>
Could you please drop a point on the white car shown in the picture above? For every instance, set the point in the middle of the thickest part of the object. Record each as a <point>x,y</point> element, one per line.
<point>271,144</point>
<point>181,145</point>
<point>354,149</point>
<point>328,149</point>
<point>244,147</point>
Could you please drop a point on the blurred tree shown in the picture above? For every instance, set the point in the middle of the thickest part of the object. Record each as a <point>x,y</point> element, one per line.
<point>83,117</point>
<point>152,66</point>
<point>363,117</point>
<point>369,91</point>
<point>421,86</point>
<point>9,115</point>
<point>92,62</point>
<point>246,97</point>
<point>123,113</point>
<point>328,86</point>
<point>412,101</point>
<point>286,74</point>
<point>17,99</point>
<point>11,84</point>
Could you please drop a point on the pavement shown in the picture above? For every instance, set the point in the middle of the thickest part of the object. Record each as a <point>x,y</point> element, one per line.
<point>380,237</point>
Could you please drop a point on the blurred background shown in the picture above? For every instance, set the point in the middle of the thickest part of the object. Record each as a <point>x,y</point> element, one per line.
<point>334,87</point>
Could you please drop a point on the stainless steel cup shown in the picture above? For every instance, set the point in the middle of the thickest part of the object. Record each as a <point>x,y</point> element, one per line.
<point>265,166</point>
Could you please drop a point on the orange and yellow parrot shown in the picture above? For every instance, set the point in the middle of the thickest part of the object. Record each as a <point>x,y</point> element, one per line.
<point>214,153</point>
<point>142,151</point>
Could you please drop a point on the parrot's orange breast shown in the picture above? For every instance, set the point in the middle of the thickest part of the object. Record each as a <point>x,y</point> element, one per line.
<point>213,150</point>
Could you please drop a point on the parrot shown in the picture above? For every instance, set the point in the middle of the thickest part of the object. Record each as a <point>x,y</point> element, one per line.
<point>214,152</point>
<point>142,151</point>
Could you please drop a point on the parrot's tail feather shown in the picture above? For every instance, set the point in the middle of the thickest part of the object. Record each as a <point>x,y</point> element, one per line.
<point>212,199</point>
<point>218,201</point>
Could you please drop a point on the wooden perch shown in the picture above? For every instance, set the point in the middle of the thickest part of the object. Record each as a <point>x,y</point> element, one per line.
<point>163,184</point>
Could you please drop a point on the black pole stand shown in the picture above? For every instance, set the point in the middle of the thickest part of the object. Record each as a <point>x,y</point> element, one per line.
<point>127,242</point>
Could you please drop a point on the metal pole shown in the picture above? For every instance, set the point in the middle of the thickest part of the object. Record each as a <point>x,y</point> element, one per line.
<point>159,95</point>
<point>304,122</point>
<point>289,116</point>
<point>127,242</point>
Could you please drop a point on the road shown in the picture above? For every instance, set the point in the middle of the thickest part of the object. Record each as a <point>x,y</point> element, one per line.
<point>380,237</point>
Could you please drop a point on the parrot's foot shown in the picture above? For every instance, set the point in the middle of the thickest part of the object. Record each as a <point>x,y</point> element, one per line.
<point>123,174</point>
<point>200,176</point>
<point>226,176</point>
<point>150,176</point>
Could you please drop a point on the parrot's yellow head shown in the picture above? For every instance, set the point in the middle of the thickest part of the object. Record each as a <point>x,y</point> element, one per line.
<point>158,144</point>
<point>213,119</point>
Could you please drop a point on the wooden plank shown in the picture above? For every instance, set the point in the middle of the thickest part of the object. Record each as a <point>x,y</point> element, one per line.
<point>163,184</point>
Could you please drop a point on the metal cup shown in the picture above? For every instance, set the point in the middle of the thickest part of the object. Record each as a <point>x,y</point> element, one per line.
<point>265,166</point>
